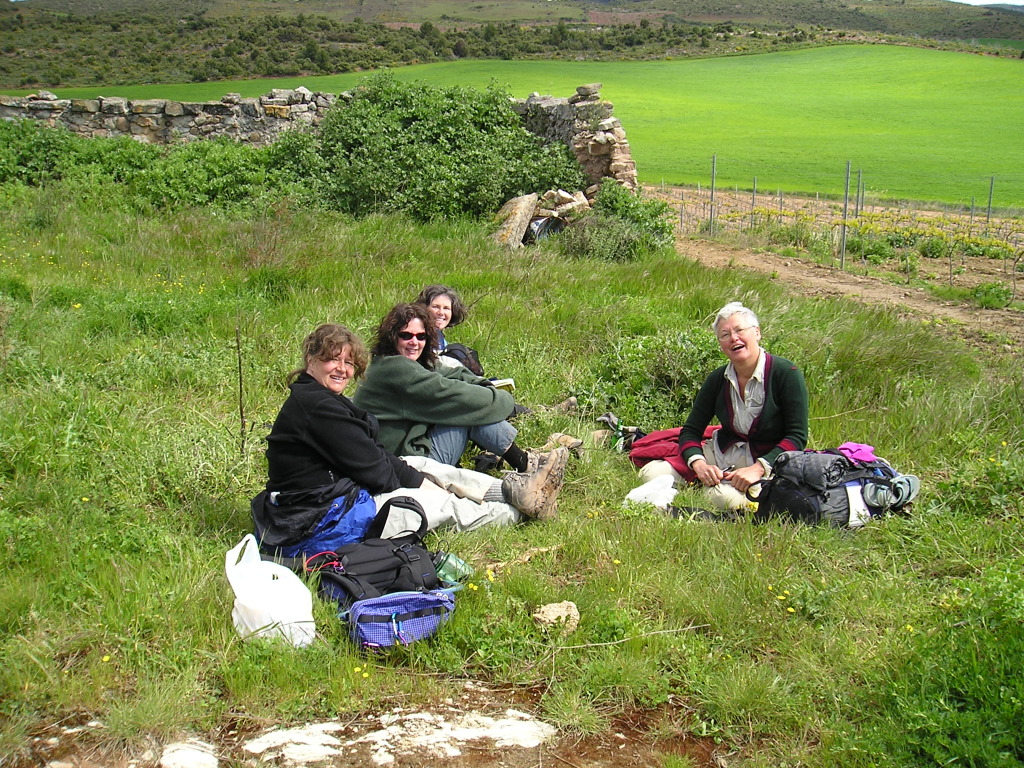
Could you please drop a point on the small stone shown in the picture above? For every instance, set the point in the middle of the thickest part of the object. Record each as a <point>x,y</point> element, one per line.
<point>562,616</point>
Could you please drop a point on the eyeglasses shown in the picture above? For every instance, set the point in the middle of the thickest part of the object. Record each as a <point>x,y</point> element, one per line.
<point>738,331</point>
<point>409,336</point>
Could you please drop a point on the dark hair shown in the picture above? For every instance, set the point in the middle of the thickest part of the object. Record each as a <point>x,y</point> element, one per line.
<point>326,343</point>
<point>431,292</point>
<point>394,321</point>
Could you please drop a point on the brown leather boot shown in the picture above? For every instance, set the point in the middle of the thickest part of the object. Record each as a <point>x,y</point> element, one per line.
<point>535,493</point>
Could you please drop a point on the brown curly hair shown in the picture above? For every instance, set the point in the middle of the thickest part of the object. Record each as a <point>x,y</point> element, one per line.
<point>395,320</point>
<point>327,342</point>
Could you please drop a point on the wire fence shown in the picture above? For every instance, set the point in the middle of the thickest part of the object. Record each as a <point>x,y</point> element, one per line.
<point>977,247</point>
<point>975,230</point>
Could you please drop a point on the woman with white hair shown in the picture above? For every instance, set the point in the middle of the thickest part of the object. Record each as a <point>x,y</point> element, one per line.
<point>760,401</point>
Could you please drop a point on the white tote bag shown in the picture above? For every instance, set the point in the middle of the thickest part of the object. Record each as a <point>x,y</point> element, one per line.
<point>270,600</point>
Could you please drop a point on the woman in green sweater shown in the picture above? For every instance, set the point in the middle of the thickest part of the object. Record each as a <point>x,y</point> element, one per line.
<point>760,401</point>
<point>425,409</point>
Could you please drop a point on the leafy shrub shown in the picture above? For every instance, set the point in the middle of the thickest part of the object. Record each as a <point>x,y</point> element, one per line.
<point>799,233</point>
<point>602,237</point>
<point>985,246</point>
<point>434,152</point>
<point>875,249</point>
<point>33,153</point>
<point>932,247</point>
<point>650,215</point>
<point>901,237</point>
<point>621,227</point>
<point>220,172</point>
<point>651,381</point>
<point>992,295</point>
<point>119,160</point>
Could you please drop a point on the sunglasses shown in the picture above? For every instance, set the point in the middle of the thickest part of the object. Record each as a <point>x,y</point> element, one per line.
<point>409,336</point>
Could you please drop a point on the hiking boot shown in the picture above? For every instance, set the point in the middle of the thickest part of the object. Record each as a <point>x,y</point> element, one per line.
<point>485,462</point>
<point>567,405</point>
<point>534,493</point>
<point>601,436</point>
<point>537,459</point>
<point>574,444</point>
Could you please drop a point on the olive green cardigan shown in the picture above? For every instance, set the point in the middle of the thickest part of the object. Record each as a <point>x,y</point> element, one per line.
<point>408,399</point>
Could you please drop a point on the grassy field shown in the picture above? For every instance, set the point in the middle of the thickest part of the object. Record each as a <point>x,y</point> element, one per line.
<point>126,470</point>
<point>919,124</point>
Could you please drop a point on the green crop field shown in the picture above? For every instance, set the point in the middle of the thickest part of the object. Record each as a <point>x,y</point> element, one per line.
<point>919,124</point>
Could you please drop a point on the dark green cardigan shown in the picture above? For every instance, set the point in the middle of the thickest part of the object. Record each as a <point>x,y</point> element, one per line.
<point>782,425</point>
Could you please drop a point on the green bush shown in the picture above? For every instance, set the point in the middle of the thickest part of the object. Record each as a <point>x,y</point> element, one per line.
<point>433,152</point>
<point>32,153</point>
<point>874,249</point>
<point>992,295</point>
<point>220,172</point>
<point>651,381</point>
<point>932,247</point>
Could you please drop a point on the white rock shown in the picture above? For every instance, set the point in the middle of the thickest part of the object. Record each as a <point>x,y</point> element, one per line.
<point>554,615</point>
<point>189,754</point>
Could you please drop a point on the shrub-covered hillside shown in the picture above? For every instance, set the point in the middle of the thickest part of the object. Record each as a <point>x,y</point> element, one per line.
<point>57,43</point>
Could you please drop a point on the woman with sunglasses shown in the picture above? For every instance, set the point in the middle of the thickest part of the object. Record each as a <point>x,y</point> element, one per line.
<point>759,399</point>
<point>426,409</point>
<point>323,457</point>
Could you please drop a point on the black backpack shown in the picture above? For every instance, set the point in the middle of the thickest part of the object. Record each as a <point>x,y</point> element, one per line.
<point>466,356</point>
<point>378,566</point>
<point>815,487</point>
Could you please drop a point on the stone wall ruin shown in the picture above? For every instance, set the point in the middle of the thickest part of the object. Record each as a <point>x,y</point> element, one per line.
<point>584,122</point>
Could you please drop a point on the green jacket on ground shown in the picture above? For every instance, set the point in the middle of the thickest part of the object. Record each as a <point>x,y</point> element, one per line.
<point>408,399</point>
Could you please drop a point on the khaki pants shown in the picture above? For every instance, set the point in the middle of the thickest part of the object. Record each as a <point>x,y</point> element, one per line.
<point>455,499</point>
<point>723,495</point>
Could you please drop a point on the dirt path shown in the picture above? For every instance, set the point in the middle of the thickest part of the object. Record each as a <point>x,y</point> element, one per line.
<point>991,329</point>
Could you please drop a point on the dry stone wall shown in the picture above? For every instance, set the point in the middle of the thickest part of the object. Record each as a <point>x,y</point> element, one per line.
<point>159,121</point>
<point>584,122</point>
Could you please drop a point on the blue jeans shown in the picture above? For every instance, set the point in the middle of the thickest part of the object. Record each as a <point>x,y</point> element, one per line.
<point>448,443</point>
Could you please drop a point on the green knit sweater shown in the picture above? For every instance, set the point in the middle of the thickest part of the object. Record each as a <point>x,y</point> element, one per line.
<point>408,399</point>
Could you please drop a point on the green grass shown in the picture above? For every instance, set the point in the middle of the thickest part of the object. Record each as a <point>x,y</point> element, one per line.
<point>1003,43</point>
<point>910,119</point>
<point>124,477</point>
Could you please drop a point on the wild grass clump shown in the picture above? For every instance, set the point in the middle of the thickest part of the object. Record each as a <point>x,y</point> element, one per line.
<point>953,696</point>
<point>622,226</point>
<point>651,381</point>
<point>129,453</point>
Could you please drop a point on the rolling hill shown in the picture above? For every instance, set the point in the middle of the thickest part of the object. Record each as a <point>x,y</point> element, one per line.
<point>925,18</point>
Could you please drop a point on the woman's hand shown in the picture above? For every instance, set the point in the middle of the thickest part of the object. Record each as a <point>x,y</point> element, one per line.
<point>744,477</point>
<point>708,474</point>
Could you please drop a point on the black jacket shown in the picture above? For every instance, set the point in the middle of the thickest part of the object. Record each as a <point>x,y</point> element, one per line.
<point>320,447</point>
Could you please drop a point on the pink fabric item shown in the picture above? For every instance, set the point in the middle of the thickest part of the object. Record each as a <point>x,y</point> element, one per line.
<point>858,451</point>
